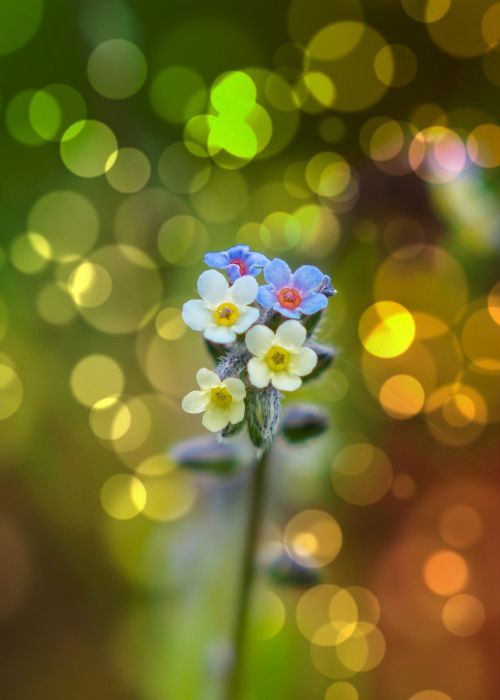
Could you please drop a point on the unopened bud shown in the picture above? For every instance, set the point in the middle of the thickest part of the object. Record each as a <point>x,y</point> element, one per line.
<point>304,421</point>
<point>263,413</point>
<point>207,454</point>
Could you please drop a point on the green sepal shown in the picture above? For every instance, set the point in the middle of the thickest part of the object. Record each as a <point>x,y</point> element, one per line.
<point>215,350</point>
<point>232,429</point>
<point>311,322</point>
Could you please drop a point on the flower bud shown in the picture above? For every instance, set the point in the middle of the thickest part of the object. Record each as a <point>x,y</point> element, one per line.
<point>263,413</point>
<point>304,421</point>
<point>206,453</point>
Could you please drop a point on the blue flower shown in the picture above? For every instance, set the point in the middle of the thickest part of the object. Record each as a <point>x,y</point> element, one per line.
<point>303,292</point>
<point>238,261</point>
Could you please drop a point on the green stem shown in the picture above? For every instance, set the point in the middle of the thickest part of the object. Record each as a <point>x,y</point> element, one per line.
<point>247,574</point>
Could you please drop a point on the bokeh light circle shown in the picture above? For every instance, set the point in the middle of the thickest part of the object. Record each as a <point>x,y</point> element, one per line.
<point>66,223</point>
<point>128,268</point>
<point>130,170</point>
<point>11,391</point>
<point>342,690</point>
<point>18,23</point>
<point>178,93</point>
<point>386,329</point>
<point>123,496</point>
<point>445,572</point>
<point>460,526</point>
<point>96,377</point>
<point>117,69</point>
<point>361,474</point>
<point>182,240</point>
<point>463,615</point>
<point>402,396</point>
<point>87,147</point>
<point>313,538</point>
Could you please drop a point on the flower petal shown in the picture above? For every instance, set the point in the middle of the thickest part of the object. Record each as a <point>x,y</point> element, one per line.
<point>216,259</point>
<point>237,252</point>
<point>244,290</point>
<point>258,372</point>
<point>266,296</point>
<point>291,335</point>
<point>289,313</point>
<point>233,272</point>
<point>247,317</point>
<point>196,315</point>
<point>207,379</point>
<point>236,412</point>
<point>278,274</point>
<point>236,388</point>
<point>307,278</point>
<point>284,381</point>
<point>212,286</point>
<point>215,418</point>
<point>259,339</point>
<point>195,401</point>
<point>258,259</point>
<point>312,304</point>
<point>303,362</point>
<point>220,334</point>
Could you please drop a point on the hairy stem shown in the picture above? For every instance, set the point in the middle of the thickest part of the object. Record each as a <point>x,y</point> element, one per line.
<point>247,574</point>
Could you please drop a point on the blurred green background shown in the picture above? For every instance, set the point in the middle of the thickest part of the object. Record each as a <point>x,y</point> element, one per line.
<point>359,136</point>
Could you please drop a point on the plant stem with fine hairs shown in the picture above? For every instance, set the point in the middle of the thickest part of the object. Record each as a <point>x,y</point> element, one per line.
<point>247,574</point>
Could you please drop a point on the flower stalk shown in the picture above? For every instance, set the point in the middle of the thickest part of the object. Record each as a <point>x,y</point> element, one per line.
<point>256,505</point>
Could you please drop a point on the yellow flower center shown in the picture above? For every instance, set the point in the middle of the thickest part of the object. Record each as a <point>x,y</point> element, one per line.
<point>278,358</point>
<point>221,397</point>
<point>226,314</point>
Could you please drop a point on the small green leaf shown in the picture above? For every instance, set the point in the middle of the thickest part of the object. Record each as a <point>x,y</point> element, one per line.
<point>311,322</point>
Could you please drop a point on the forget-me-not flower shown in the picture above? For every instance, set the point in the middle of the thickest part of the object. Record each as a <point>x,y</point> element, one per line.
<point>293,294</point>
<point>222,311</point>
<point>238,261</point>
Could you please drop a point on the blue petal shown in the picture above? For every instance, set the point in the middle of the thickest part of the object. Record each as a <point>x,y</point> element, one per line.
<point>233,272</point>
<point>216,259</point>
<point>266,296</point>
<point>326,287</point>
<point>312,304</point>
<point>257,259</point>
<point>307,278</point>
<point>278,274</point>
<point>254,270</point>
<point>238,251</point>
<point>289,313</point>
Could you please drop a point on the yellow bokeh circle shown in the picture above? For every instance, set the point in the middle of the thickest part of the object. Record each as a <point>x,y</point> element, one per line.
<point>386,329</point>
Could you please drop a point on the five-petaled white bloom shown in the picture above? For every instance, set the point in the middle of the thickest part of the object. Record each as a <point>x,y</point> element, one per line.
<point>280,357</point>
<point>222,311</point>
<point>222,402</point>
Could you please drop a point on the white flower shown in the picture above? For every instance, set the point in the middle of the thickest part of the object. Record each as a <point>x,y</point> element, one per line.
<point>222,311</point>
<point>279,357</point>
<point>222,402</point>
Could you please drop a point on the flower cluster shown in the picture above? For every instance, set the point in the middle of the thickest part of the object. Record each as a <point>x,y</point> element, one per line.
<point>260,336</point>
